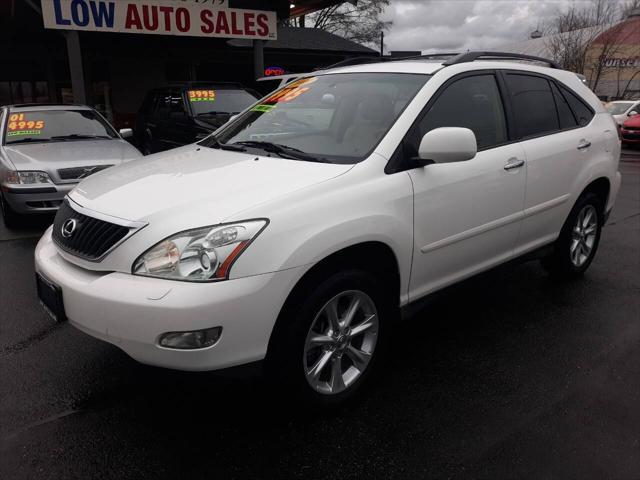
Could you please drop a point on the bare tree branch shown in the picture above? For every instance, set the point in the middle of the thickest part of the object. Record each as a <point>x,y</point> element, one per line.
<point>360,22</point>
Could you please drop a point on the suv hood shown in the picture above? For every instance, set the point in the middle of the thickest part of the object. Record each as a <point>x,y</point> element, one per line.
<point>195,186</point>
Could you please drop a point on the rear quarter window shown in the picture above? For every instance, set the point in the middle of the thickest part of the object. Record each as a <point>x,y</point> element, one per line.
<point>582,113</point>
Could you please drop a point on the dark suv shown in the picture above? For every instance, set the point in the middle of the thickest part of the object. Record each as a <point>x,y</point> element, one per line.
<point>178,115</point>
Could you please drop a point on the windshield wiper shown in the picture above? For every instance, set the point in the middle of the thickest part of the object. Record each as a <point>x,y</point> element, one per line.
<point>284,151</point>
<point>77,136</point>
<point>213,142</point>
<point>28,140</point>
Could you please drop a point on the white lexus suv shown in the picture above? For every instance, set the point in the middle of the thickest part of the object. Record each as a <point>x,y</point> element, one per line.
<point>298,232</point>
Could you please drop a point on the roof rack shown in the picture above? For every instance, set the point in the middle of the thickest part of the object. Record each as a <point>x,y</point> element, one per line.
<point>472,56</point>
<point>453,58</point>
<point>364,60</point>
<point>427,56</point>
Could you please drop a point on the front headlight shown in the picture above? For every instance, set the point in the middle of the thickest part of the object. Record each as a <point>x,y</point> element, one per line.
<point>27,178</point>
<point>200,255</point>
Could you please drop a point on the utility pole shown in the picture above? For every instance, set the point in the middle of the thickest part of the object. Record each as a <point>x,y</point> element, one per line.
<point>381,44</point>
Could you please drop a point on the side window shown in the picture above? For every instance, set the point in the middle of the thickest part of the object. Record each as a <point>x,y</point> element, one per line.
<point>582,113</point>
<point>473,103</point>
<point>567,120</point>
<point>533,105</point>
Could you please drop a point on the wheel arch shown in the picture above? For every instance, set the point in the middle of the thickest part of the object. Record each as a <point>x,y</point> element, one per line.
<point>601,186</point>
<point>358,256</point>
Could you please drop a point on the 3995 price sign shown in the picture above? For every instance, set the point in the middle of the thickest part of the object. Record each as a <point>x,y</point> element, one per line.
<point>202,95</point>
<point>20,125</point>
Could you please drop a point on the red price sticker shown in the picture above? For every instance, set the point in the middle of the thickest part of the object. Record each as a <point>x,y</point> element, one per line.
<point>202,95</point>
<point>20,125</point>
<point>291,91</point>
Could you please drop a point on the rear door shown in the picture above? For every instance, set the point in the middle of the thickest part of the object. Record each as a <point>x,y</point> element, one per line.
<point>552,124</point>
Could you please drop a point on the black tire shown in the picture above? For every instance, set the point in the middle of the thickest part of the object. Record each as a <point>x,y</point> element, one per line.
<point>560,262</point>
<point>10,218</point>
<point>285,364</point>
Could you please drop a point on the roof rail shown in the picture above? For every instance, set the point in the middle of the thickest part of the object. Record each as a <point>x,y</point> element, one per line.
<point>364,60</point>
<point>426,56</point>
<point>472,56</point>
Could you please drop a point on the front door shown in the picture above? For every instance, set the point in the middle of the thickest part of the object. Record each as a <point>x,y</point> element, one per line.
<point>467,215</point>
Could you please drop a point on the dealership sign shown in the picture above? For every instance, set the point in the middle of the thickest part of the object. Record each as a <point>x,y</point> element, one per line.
<point>160,17</point>
<point>630,62</point>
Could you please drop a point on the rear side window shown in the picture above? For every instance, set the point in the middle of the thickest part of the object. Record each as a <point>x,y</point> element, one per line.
<point>581,111</point>
<point>471,102</point>
<point>533,105</point>
<point>567,120</point>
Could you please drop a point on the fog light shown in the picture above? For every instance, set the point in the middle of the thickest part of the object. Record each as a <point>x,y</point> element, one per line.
<point>191,340</point>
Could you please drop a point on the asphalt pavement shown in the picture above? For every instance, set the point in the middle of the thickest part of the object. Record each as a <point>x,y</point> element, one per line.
<point>508,375</point>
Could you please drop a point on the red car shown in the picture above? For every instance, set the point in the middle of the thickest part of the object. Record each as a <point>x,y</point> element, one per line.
<point>630,131</point>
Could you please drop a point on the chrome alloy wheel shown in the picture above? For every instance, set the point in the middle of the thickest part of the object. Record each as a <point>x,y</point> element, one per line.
<point>341,342</point>
<point>583,235</point>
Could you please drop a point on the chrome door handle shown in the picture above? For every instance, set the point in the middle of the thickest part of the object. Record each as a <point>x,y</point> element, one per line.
<point>513,163</point>
<point>584,144</point>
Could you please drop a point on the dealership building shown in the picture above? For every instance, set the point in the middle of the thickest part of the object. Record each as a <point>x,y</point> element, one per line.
<point>108,54</point>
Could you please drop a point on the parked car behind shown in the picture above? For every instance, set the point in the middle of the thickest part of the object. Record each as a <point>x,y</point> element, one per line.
<point>630,131</point>
<point>178,115</point>
<point>621,110</point>
<point>47,149</point>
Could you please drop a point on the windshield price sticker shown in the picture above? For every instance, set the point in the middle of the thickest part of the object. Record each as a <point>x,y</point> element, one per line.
<point>202,95</point>
<point>288,93</point>
<point>263,108</point>
<point>19,125</point>
<point>291,91</point>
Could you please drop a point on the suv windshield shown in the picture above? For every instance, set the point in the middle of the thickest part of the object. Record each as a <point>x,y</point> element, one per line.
<point>618,108</point>
<point>335,117</point>
<point>214,101</point>
<point>34,126</point>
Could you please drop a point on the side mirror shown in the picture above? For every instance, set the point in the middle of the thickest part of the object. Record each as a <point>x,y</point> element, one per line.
<point>447,145</point>
<point>126,132</point>
<point>632,113</point>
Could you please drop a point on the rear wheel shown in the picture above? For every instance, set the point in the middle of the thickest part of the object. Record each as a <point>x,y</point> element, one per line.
<point>10,218</point>
<point>327,345</point>
<point>578,241</point>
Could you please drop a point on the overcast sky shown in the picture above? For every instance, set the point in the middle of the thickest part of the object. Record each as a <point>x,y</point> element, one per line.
<point>458,25</point>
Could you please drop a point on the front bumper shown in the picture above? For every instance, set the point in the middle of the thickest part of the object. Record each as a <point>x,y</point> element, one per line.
<point>25,199</point>
<point>132,312</point>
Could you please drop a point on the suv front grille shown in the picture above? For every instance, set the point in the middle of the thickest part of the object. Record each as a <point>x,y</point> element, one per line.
<point>78,173</point>
<point>90,238</point>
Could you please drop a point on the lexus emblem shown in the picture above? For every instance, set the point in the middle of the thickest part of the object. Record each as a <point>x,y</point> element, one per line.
<point>68,227</point>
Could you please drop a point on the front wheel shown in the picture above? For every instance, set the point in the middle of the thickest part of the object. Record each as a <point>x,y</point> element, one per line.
<point>578,242</point>
<point>328,345</point>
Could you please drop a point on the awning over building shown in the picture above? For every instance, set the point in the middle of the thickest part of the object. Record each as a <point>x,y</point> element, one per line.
<point>290,38</point>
